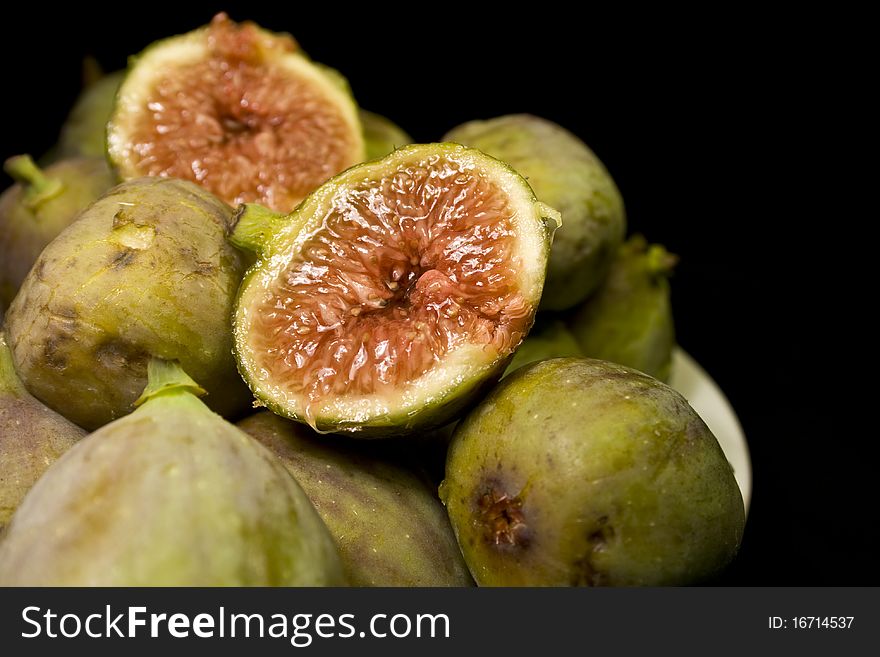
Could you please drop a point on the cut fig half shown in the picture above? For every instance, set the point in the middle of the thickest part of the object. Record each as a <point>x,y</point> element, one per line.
<point>238,110</point>
<point>393,293</point>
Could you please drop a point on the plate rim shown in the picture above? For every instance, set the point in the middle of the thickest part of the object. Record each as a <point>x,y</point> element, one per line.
<point>744,477</point>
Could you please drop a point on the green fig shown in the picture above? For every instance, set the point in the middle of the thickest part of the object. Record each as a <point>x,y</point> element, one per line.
<point>85,130</point>
<point>32,437</point>
<point>586,473</point>
<point>549,338</point>
<point>381,135</point>
<point>568,176</point>
<point>629,320</point>
<point>145,271</point>
<point>170,495</point>
<point>391,530</point>
<point>42,204</point>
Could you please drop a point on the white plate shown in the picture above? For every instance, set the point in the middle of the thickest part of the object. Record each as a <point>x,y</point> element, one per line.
<point>710,403</point>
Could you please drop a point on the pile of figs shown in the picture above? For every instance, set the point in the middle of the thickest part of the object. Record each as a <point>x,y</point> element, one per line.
<point>253,336</point>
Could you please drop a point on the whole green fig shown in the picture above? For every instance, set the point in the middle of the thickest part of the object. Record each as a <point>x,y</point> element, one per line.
<point>567,175</point>
<point>170,495</point>
<point>381,135</point>
<point>85,130</point>
<point>629,320</point>
<point>145,271</point>
<point>42,204</point>
<point>32,437</point>
<point>549,338</point>
<point>390,529</point>
<point>586,473</point>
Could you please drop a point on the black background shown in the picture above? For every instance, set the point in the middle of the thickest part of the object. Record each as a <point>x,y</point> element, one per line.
<point>709,125</point>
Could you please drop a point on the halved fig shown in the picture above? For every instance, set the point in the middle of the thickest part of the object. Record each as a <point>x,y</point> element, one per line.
<point>394,292</point>
<point>237,109</point>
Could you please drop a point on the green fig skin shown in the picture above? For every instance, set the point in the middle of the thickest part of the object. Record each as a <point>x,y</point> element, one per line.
<point>390,529</point>
<point>629,320</point>
<point>577,472</point>
<point>32,437</point>
<point>29,220</point>
<point>381,135</point>
<point>549,338</point>
<point>145,271</point>
<point>170,495</point>
<point>567,175</point>
<point>84,133</point>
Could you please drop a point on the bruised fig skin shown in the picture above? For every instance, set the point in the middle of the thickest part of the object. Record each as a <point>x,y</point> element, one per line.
<point>237,109</point>
<point>578,472</point>
<point>32,437</point>
<point>145,271</point>
<point>549,338</point>
<point>39,206</point>
<point>390,528</point>
<point>84,133</point>
<point>381,135</point>
<point>170,495</point>
<point>629,320</point>
<point>394,294</point>
<point>568,176</point>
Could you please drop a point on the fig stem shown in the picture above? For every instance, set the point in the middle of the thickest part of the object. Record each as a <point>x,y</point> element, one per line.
<point>167,376</point>
<point>253,226</point>
<point>9,381</point>
<point>38,187</point>
<point>660,261</point>
<point>92,71</point>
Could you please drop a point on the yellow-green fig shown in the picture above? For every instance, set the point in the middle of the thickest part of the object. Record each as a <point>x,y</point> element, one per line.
<point>32,437</point>
<point>381,135</point>
<point>145,271</point>
<point>42,204</point>
<point>390,528</point>
<point>578,472</point>
<point>85,130</point>
<point>170,495</point>
<point>549,338</point>
<point>629,320</point>
<point>568,176</point>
